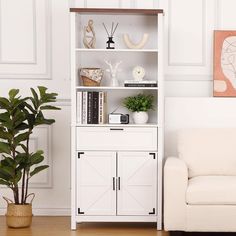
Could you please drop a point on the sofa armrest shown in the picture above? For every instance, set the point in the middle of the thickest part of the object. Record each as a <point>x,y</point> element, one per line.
<point>175,186</point>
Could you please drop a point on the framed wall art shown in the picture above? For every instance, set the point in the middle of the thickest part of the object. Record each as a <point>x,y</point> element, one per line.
<point>224,64</point>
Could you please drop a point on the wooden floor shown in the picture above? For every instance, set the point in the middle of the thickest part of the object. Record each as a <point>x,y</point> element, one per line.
<point>60,226</point>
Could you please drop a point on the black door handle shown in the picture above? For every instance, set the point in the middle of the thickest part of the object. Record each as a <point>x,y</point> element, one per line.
<point>113,184</point>
<point>118,183</point>
<point>119,129</point>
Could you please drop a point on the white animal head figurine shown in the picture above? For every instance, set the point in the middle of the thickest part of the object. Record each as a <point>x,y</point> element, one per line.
<point>113,69</point>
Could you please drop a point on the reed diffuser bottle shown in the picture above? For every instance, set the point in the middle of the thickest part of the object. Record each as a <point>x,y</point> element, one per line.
<point>110,44</point>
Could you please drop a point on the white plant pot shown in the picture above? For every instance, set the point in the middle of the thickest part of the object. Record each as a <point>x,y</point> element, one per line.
<point>140,117</point>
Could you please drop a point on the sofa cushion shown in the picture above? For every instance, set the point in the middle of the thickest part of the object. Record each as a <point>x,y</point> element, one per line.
<point>208,151</point>
<point>211,190</point>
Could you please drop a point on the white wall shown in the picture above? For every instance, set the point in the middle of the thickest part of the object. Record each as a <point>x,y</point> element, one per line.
<point>34,50</point>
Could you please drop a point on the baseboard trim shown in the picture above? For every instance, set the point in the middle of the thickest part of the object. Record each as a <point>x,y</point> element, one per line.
<point>45,211</point>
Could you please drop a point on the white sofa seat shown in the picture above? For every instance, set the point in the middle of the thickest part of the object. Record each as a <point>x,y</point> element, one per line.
<point>211,190</point>
<point>200,184</point>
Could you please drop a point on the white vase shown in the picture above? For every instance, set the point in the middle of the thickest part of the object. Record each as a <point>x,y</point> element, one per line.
<point>140,117</point>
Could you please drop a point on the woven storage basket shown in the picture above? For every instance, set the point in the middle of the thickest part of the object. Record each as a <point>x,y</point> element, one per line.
<point>19,216</point>
<point>91,76</point>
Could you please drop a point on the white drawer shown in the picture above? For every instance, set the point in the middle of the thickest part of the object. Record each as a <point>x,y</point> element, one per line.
<point>113,138</point>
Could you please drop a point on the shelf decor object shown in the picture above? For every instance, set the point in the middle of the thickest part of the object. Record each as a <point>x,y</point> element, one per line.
<point>132,45</point>
<point>224,63</point>
<point>89,40</point>
<point>113,68</point>
<point>91,76</point>
<point>116,168</point>
<point>110,42</point>
<point>140,105</point>
<point>138,73</point>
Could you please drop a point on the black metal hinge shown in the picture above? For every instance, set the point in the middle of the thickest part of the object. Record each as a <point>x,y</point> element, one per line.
<point>153,212</point>
<point>80,153</point>
<point>80,212</point>
<point>153,154</point>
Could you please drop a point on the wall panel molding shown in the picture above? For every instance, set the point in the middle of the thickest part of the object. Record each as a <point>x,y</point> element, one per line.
<point>225,14</point>
<point>40,66</point>
<point>34,59</point>
<point>217,14</point>
<point>201,63</point>
<point>46,176</point>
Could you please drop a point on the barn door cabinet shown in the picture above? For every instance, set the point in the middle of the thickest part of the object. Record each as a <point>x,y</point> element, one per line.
<point>116,184</point>
<point>116,170</point>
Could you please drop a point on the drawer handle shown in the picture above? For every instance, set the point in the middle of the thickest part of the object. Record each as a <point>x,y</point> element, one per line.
<point>116,129</point>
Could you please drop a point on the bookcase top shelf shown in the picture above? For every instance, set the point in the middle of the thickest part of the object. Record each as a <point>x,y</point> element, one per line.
<point>116,50</point>
<point>118,11</point>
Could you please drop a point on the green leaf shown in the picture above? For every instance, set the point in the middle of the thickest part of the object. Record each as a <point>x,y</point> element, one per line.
<point>4,176</point>
<point>37,158</point>
<point>5,148</point>
<point>38,169</point>
<point>23,147</point>
<point>18,176</point>
<point>31,120</point>
<point>22,137</point>
<point>7,171</point>
<point>12,93</point>
<point>35,99</point>
<point>22,126</point>
<point>42,90</point>
<point>4,103</point>
<point>31,109</point>
<point>5,135</point>
<point>5,116</point>
<point>44,121</point>
<point>4,182</point>
<point>7,161</point>
<point>48,107</point>
<point>20,158</point>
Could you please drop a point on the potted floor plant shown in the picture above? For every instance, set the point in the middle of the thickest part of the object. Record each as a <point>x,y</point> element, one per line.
<point>139,105</point>
<point>18,118</point>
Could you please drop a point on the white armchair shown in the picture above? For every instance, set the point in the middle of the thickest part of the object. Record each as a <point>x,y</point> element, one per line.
<point>200,185</point>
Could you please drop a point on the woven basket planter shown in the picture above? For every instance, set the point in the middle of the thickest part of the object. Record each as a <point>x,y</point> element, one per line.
<point>19,216</point>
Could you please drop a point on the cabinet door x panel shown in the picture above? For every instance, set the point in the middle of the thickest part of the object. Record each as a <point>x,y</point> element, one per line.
<point>137,173</point>
<point>95,189</point>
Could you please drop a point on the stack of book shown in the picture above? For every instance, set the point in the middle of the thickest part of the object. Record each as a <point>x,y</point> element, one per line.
<point>91,107</point>
<point>142,83</point>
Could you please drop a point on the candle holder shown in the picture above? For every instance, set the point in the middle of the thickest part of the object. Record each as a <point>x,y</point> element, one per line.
<point>110,43</point>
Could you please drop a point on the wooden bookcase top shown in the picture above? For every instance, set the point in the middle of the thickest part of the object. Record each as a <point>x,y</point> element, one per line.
<point>117,11</point>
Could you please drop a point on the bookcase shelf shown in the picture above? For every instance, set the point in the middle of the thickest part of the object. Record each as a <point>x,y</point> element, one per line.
<point>114,88</point>
<point>116,50</point>
<point>118,125</point>
<point>102,154</point>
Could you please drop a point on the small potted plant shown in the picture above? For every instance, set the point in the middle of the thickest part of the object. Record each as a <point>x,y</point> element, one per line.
<point>139,105</point>
<point>18,118</point>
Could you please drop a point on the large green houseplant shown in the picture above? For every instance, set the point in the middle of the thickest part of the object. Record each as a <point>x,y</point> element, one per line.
<point>18,118</point>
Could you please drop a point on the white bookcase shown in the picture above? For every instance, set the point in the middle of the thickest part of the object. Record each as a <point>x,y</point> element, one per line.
<point>116,170</point>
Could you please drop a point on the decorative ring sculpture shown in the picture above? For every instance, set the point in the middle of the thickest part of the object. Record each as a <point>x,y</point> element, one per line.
<point>132,45</point>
